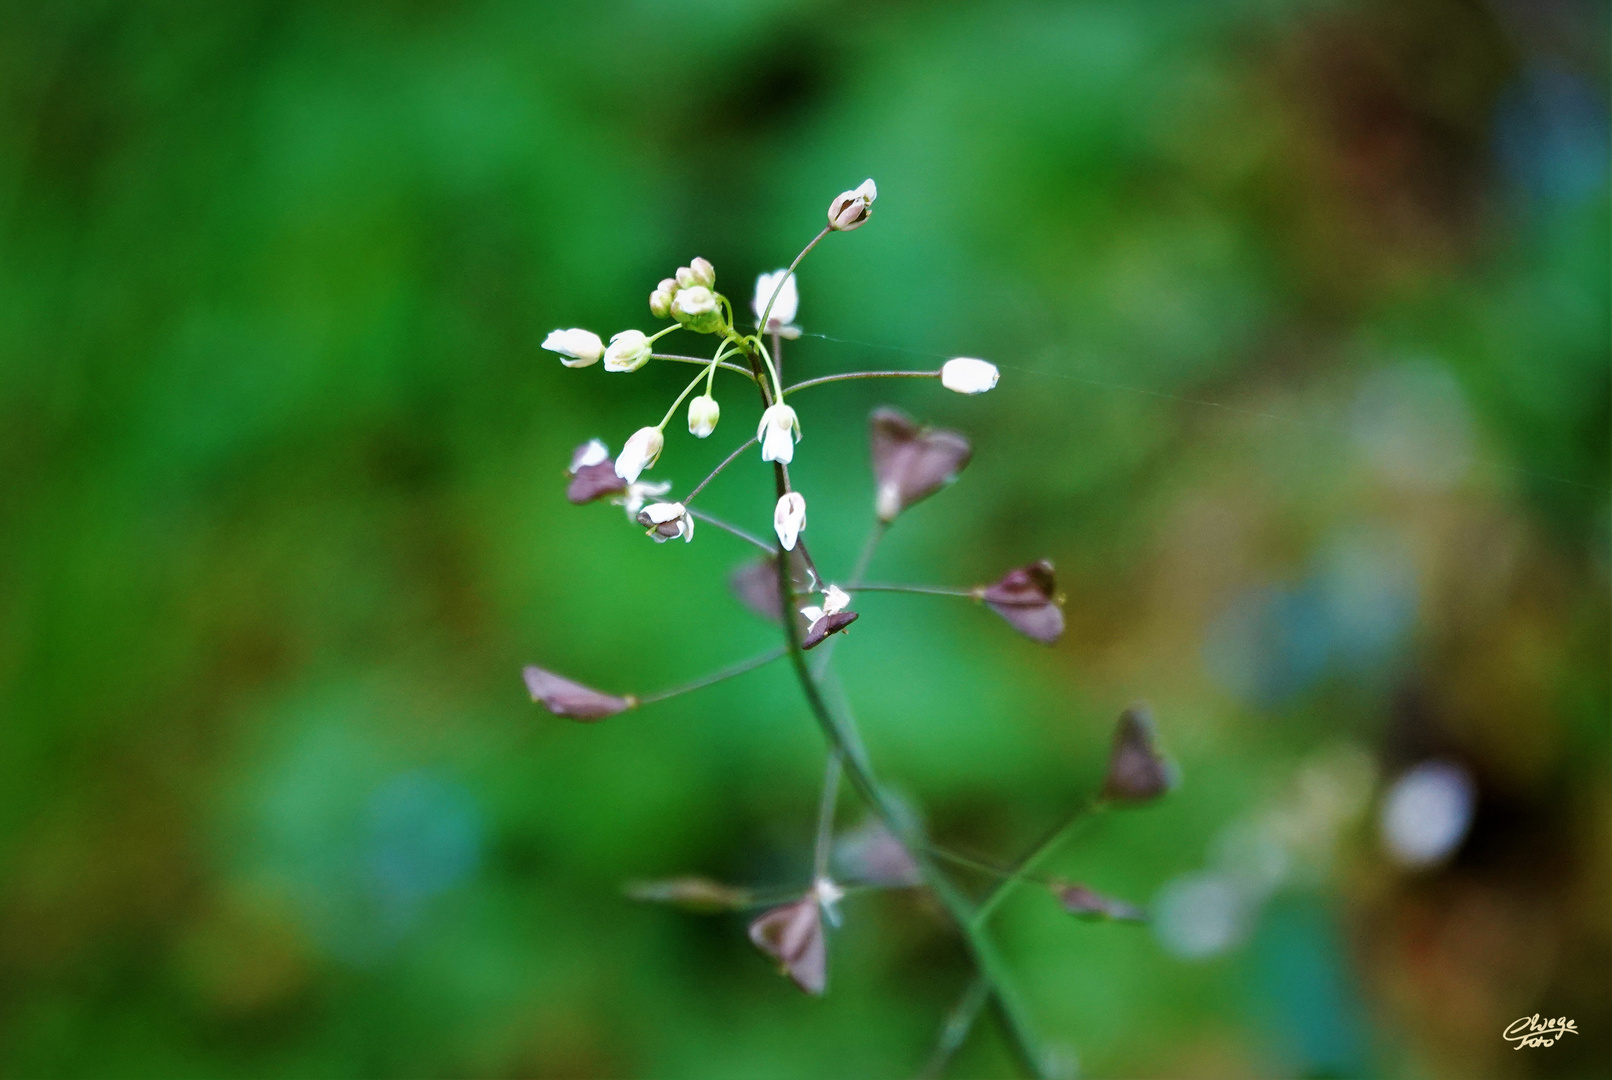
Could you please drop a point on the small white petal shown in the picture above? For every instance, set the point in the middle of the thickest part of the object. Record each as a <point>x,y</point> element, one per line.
<point>577,348</point>
<point>835,600</point>
<point>811,613</point>
<point>778,431</point>
<point>589,453</point>
<point>785,307</point>
<point>640,453</point>
<point>967,375</point>
<point>789,518</point>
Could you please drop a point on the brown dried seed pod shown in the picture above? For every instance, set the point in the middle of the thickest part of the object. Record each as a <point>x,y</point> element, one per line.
<point>1090,904</point>
<point>562,697</point>
<point>910,462</point>
<point>1137,772</point>
<point>871,855</point>
<point>793,935</point>
<point>1027,597</point>
<point>828,624</point>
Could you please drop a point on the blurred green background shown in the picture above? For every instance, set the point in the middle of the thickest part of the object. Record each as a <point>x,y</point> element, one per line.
<point>1302,314</point>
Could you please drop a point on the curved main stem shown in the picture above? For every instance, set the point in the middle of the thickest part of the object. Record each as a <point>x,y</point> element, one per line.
<point>858,771</point>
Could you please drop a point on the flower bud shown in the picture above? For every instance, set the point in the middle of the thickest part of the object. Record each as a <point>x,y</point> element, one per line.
<point>667,521</point>
<point>778,432</point>
<point>1027,598</point>
<point>967,375</point>
<point>1137,772</point>
<point>789,518</point>
<point>577,348</point>
<point>851,208</point>
<point>660,303</point>
<point>562,697</point>
<point>696,307</point>
<point>641,452</point>
<point>911,463</point>
<point>629,351</point>
<point>700,272</point>
<point>793,936</point>
<point>703,413</point>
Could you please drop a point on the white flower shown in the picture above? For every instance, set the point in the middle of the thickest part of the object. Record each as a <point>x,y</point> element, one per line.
<point>577,348</point>
<point>666,521</point>
<point>784,308</point>
<point>834,601</point>
<point>637,494</point>
<point>789,518</point>
<point>851,208</point>
<point>640,453</point>
<point>964,375</point>
<point>629,351</point>
<point>696,307</point>
<point>779,431</point>
<point>703,413</point>
<point>589,453</point>
<point>693,301</point>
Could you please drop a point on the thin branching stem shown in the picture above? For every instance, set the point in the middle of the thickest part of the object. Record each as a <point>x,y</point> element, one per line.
<point>824,845</point>
<point>729,460</point>
<point>954,1032</point>
<point>821,379</point>
<point>1024,869</point>
<point>715,677</point>
<point>927,590</point>
<point>723,364</point>
<point>734,529</point>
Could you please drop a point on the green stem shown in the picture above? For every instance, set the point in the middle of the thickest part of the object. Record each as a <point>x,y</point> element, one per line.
<point>734,529</point>
<point>821,379</point>
<point>860,775</point>
<point>713,678</point>
<point>927,590</point>
<point>1025,868</point>
<point>724,365</point>
<point>729,460</point>
<point>766,312</point>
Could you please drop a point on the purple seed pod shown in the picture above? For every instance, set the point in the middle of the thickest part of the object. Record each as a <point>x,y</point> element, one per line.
<point>823,627</point>
<point>793,935</point>
<point>1137,772</point>
<point>591,482</point>
<point>755,583</point>
<point>1027,597</point>
<point>690,893</point>
<point>871,855</point>
<point>1087,903</point>
<point>562,697</point>
<point>911,462</point>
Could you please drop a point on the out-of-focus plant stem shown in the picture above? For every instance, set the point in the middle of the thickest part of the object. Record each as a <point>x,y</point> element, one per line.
<point>859,772</point>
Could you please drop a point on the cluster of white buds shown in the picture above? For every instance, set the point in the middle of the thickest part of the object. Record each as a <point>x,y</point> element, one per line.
<point>699,273</point>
